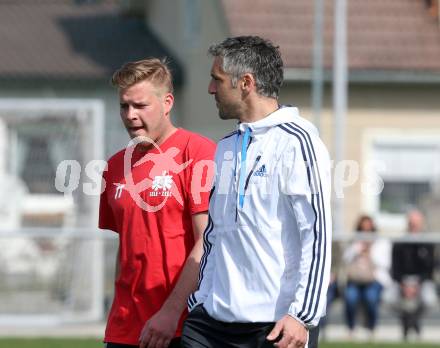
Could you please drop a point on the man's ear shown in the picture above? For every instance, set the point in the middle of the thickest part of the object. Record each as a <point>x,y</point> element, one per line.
<point>247,82</point>
<point>168,102</point>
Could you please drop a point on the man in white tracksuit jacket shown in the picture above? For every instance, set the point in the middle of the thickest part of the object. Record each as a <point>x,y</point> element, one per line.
<point>265,269</point>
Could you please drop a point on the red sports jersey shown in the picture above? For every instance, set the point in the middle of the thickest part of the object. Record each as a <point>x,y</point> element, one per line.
<point>154,225</point>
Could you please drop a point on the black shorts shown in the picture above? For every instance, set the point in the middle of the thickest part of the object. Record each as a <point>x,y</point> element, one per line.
<point>175,343</point>
<point>202,331</point>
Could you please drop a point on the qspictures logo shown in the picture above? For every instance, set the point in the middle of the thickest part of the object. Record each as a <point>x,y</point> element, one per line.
<point>159,182</point>
<point>118,191</point>
<point>159,179</point>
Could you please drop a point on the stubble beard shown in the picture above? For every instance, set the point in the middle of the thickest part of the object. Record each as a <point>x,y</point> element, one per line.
<point>229,113</point>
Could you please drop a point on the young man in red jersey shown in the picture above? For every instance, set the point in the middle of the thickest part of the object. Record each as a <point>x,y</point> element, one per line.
<point>156,199</point>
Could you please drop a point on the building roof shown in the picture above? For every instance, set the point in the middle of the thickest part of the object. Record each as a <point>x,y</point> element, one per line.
<point>391,35</point>
<point>72,39</point>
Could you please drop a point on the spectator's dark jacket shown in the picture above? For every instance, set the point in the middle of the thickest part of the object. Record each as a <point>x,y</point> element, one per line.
<point>412,259</point>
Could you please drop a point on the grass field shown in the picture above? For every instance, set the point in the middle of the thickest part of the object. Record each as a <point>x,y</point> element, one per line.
<point>95,343</point>
<point>376,345</point>
<point>50,343</point>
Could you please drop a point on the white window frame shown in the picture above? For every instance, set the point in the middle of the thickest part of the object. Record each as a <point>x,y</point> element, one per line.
<point>90,114</point>
<point>404,137</point>
<point>83,110</point>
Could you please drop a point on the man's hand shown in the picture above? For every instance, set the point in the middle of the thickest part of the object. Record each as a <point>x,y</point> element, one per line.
<point>159,330</point>
<point>293,333</point>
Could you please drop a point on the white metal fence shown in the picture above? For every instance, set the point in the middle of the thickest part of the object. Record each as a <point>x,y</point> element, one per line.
<point>53,276</point>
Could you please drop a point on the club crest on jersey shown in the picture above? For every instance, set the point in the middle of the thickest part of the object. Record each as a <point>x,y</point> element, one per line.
<point>261,172</point>
<point>119,188</point>
<point>162,182</point>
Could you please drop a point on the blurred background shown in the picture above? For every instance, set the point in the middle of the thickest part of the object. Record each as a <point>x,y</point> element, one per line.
<point>367,73</point>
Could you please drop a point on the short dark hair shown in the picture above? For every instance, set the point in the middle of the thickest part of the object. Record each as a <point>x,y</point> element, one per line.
<point>255,55</point>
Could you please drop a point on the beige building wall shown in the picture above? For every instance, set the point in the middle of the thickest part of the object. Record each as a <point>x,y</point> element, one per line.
<point>375,112</point>
<point>188,28</point>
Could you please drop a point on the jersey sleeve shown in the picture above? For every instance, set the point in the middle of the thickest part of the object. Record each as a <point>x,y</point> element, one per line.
<point>308,186</point>
<point>202,174</point>
<point>106,217</point>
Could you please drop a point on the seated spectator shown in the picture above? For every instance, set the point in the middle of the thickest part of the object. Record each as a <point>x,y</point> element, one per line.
<point>412,269</point>
<point>368,262</point>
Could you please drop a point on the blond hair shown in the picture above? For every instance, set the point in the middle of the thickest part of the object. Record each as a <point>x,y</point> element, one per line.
<point>153,70</point>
